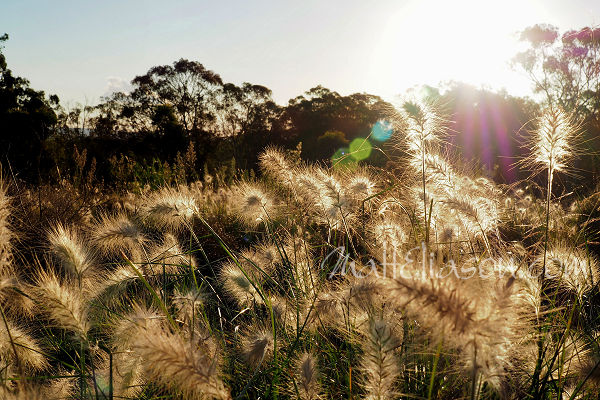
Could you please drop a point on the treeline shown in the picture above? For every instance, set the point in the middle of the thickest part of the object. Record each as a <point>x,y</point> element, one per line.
<point>179,121</point>
<point>182,121</point>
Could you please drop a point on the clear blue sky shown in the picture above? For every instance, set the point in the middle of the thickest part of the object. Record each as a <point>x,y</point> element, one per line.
<point>81,50</point>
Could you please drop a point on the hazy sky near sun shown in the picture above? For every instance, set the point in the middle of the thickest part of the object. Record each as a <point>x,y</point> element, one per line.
<point>82,50</point>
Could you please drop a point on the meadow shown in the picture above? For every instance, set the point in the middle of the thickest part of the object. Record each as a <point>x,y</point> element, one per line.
<point>424,280</point>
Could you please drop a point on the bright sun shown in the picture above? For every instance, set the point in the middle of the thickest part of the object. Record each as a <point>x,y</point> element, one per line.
<point>427,42</point>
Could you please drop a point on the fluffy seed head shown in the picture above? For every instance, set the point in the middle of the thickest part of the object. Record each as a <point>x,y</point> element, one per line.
<point>275,164</point>
<point>422,124</point>
<point>482,320</point>
<point>238,285</point>
<point>389,233</point>
<point>127,376</point>
<point>62,303</point>
<point>114,233</point>
<point>114,282</point>
<point>135,323</point>
<point>28,349</point>
<point>267,254</point>
<point>307,377</point>
<point>6,234</point>
<point>553,139</point>
<point>379,361</point>
<point>168,257</point>
<point>260,260</point>
<point>257,345</point>
<point>29,392</point>
<point>572,268</point>
<point>253,204</point>
<point>437,170</point>
<point>187,304</point>
<point>170,208</point>
<point>179,365</point>
<point>67,246</point>
<point>360,187</point>
<point>309,187</point>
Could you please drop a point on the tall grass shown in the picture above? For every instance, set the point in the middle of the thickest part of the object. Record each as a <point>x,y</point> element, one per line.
<point>313,283</point>
<point>552,147</point>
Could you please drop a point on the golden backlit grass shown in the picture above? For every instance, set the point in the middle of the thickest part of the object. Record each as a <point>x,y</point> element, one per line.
<point>315,283</point>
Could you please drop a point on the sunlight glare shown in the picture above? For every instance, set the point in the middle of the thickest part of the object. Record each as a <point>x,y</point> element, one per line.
<point>428,42</point>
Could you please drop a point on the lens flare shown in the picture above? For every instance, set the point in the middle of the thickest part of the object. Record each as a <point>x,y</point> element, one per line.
<point>342,158</point>
<point>382,131</point>
<point>360,149</point>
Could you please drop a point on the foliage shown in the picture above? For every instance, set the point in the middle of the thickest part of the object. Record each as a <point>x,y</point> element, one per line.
<point>27,119</point>
<point>565,70</point>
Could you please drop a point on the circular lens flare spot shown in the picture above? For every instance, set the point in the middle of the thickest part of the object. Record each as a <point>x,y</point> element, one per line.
<point>342,158</point>
<point>360,149</point>
<point>382,131</point>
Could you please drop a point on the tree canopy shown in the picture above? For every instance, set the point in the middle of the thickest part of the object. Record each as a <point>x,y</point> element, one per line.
<point>565,70</point>
<point>27,119</point>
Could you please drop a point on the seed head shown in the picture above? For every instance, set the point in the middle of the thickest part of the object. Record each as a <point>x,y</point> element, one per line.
<point>553,139</point>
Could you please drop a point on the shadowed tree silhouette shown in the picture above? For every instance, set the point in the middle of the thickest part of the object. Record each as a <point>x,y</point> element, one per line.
<point>245,114</point>
<point>307,118</point>
<point>186,86</point>
<point>26,120</point>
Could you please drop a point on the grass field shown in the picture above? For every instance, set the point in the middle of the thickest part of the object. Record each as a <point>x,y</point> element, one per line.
<point>419,281</point>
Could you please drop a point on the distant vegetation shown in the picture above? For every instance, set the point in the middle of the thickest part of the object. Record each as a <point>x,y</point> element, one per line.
<point>181,121</point>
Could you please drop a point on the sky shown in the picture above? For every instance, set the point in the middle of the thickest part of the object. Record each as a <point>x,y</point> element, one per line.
<point>82,50</point>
